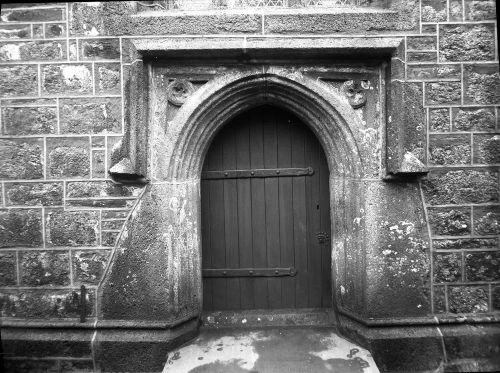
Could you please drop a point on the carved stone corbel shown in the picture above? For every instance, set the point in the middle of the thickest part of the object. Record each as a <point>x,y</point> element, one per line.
<point>354,90</point>
<point>178,91</point>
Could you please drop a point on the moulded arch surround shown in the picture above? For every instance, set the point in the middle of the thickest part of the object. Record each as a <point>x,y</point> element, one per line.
<point>327,113</point>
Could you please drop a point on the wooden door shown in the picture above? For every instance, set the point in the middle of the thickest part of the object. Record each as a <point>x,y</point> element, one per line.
<point>265,215</point>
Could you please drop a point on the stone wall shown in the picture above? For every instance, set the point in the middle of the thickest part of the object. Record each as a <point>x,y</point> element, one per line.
<point>62,71</point>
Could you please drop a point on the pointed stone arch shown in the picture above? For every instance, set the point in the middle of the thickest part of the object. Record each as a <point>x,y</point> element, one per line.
<point>328,114</point>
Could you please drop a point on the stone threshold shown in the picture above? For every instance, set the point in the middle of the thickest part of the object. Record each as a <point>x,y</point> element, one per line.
<point>268,318</point>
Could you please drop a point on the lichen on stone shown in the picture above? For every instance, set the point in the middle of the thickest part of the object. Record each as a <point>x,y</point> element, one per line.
<point>447,267</point>
<point>72,228</point>
<point>45,268</point>
<point>462,186</point>
<point>20,160</point>
<point>489,223</point>
<point>482,88</point>
<point>464,299</point>
<point>439,120</point>
<point>450,222</point>
<point>450,154</point>
<point>69,161</point>
<point>481,119</point>
<point>489,150</point>
<point>466,43</point>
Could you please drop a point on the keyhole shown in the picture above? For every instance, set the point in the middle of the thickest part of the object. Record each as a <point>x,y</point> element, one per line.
<point>317,207</point>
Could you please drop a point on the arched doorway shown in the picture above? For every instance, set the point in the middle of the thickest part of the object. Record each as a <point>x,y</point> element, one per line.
<point>265,215</point>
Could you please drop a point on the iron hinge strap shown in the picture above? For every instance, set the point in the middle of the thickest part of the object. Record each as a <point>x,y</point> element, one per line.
<point>249,272</point>
<point>260,172</point>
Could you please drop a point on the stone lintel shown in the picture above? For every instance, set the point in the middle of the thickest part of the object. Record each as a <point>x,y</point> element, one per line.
<point>265,46</point>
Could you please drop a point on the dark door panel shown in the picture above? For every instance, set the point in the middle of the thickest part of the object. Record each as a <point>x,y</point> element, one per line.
<point>265,215</point>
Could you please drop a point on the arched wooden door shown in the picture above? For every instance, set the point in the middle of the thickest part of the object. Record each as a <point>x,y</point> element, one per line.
<point>265,215</point>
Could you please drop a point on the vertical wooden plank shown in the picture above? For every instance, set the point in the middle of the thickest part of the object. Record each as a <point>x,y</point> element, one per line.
<point>245,238</point>
<point>272,210</point>
<point>231,218</point>
<point>299,216</point>
<point>208,284</point>
<point>314,152</point>
<point>259,248</point>
<point>286,213</point>
<point>325,216</point>
<point>205,243</point>
<point>217,239</point>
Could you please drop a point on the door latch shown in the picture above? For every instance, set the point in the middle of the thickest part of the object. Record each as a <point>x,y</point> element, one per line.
<point>322,237</point>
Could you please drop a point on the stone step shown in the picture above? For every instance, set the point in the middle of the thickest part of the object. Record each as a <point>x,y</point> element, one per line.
<point>270,350</point>
<point>268,318</point>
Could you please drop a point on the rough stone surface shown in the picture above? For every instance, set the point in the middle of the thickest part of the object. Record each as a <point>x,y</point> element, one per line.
<point>99,164</point>
<point>99,49</point>
<point>449,149</point>
<point>30,194</point>
<point>434,10</point>
<point>107,78</point>
<point>487,220</point>
<point>42,304</point>
<point>439,120</point>
<point>439,299</point>
<point>15,31</point>
<point>68,157</point>
<point>496,298</point>
<point>29,120</point>
<point>469,243</point>
<point>447,267</point>
<point>21,159</point>
<point>187,24</point>
<point>33,15</point>
<point>55,30</point>
<point>18,80</point>
<point>71,228</point>
<point>467,119</point>
<point>481,84</point>
<point>443,93</point>
<point>92,189</point>
<point>99,203</point>
<point>480,10</point>
<point>456,10</point>
<point>150,253</point>
<point>338,22</point>
<point>466,42</point>
<point>88,265</point>
<point>38,31</point>
<point>482,266</point>
<point>108,239</point>
<point>450,222</point>
<point>8,270</point>
<point>28,366</point>
<point>421,43</point>
<point>69,78</point>
<point>40,268</point>
<point>398,263</point>
<point>433,72</point>
<point>487,149</point>
<point>421,56</point>
<point>34,50</point>
<point>86,19</point>
<point>467,299</point>
<point>461,186</point>
<point>81,116</point>
<point>20,227</point>
<point>406,107</point>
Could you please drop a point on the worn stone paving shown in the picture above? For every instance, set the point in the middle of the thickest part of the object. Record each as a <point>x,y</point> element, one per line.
<point>283,349</point>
